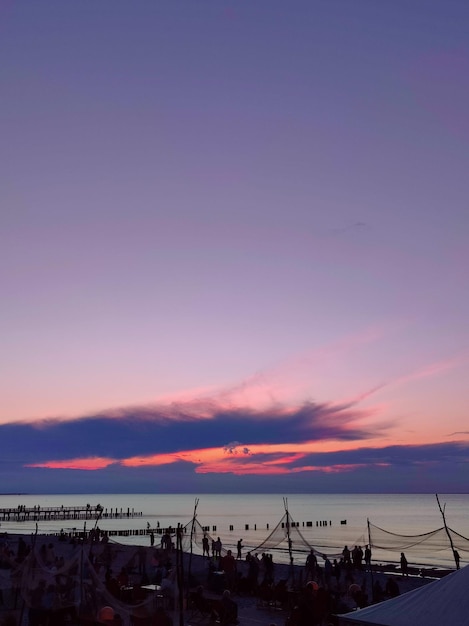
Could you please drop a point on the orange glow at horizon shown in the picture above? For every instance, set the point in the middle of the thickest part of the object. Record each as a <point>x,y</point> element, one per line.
<point>221,455</point>
<point>92,463</point>
<point>243,459</point>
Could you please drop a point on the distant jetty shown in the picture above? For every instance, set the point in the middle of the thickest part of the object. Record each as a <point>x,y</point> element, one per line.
<point>88,511</point>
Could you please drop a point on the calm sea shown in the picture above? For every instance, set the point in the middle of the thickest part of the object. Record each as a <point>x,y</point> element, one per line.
<point>253,516</point>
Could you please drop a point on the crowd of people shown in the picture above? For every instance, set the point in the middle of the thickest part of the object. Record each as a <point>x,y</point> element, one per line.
<point>310,594</point>
<point>323,587</point>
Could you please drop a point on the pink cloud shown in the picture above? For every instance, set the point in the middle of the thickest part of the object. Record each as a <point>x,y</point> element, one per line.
<point>293,377</point>
<point>427,371</point>
<point>235,459</point>
<point>93,463</point>
<point>432,369</point>
<point>255,459</point>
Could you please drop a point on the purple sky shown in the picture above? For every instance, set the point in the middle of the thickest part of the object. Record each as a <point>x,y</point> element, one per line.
<point>234,245</point>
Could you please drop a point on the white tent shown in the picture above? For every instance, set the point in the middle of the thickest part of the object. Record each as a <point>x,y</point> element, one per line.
<point>444,602</point>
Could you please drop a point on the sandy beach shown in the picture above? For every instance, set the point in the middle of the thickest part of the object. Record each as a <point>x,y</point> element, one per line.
<point>48,559</point>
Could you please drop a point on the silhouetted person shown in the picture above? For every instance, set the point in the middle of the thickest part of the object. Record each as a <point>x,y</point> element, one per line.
<point>269,568</point>
<point>205,546</point>
<point>253,572</point>
<point>310,565</point>
<point>336,570</point>
<point>392,588</point>
<point>367,556</point>
<point>239,547</point>
<point>228,565</point>
<point>404,565</point>
<point>346,555</point>
<point>378,593</point>
<point>218,547</point>
<point>229,609</point>
<point>328,571</point>
<point>201,603</point>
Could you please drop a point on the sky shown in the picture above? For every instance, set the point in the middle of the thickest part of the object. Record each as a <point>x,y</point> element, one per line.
<point>234,246</point>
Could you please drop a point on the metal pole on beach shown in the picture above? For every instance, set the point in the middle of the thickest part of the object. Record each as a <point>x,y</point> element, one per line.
<point>180,575</point>
<point>442,511</point>
<point>292,570</point>
<point>192,536</point>
<point>369,545</point>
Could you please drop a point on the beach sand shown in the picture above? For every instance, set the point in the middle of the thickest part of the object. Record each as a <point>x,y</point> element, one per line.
<point>253,610</point>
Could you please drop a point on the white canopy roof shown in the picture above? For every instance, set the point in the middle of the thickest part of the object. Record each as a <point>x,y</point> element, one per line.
<point>443,602</point>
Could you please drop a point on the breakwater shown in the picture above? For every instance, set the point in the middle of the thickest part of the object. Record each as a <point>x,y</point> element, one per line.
<point>93,512</point>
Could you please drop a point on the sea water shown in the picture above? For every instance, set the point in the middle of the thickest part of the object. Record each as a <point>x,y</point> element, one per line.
<point>323,519</point>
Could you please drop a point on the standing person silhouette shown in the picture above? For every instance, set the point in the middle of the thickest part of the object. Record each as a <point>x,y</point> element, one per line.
<point>368,558</point>
<point>205,546</point>
<point>404,566</point>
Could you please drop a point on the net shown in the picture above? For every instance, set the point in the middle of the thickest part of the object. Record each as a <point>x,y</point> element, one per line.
<point>64,582</point>
<point>73,580</point>
<point>287,538</point>
<point>418,546</point>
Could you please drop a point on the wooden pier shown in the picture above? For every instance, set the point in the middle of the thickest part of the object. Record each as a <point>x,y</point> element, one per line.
<point>88,511</point>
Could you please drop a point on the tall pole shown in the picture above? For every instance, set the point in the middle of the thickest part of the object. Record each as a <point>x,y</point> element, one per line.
<point>192,536</point>
<point>292,571</point>
<point>83,544</point>
<point>180,574</point>
<point>442,511</point>
<point>93,534</point>
<point>369,546</point>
